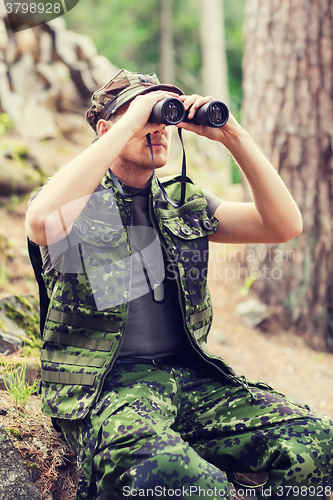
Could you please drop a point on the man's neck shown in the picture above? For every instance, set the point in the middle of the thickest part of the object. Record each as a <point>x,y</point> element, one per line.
<point>131,176</point>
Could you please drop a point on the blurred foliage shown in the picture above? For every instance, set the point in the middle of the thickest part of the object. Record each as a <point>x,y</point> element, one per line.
<point>127,33</point>
<point>5,123</point>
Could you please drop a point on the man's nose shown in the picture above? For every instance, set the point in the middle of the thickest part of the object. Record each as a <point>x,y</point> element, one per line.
<point>159,128</point>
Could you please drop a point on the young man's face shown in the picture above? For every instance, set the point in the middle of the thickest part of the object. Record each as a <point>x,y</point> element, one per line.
<point>136,154</point>
<point>137,151</point>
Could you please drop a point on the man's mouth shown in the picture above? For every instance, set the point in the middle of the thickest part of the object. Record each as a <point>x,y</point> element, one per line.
<point>158,144</point>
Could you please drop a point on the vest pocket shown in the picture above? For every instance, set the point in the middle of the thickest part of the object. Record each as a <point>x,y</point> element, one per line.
<point>189,235</point>
<point>77,350</point>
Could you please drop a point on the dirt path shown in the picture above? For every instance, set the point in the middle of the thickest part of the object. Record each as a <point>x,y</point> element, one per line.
<point>283,360</point>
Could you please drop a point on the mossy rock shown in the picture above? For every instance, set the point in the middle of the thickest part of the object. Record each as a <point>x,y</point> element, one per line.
<point>24,311</point>
<point>17,179</point>
<point>19,325</point>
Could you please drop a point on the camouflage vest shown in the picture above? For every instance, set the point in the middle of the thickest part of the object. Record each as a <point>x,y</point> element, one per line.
<point>86,321</point>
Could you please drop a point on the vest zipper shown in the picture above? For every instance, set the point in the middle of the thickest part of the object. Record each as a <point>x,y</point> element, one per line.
<point>179,291</point>
<point>233,378</point>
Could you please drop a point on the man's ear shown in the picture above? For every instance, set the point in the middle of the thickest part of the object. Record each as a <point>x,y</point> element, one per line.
<point>102,127</point>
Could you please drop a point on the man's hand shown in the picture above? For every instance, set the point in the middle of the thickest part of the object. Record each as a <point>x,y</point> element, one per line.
<point>273,216</point>
<point>137,113</point>
<point>226,134</point>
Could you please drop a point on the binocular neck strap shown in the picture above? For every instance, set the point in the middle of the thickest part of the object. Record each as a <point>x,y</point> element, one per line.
<point>165,194</point>
<point>183,175</point>
<point>120,188</point>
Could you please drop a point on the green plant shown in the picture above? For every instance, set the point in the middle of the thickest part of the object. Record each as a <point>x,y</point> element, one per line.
<point>5,123</point>
<point>14,432</point>
<point>18,388</point>
<point>248,282</point>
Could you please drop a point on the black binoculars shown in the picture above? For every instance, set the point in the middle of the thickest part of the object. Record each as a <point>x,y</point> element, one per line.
<point>171,111</point>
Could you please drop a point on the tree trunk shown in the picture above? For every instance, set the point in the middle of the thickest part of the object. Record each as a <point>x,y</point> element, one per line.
<point>215,77</point>
<point>214,61</point>
<point>288,110</point>
<point>167,62</point>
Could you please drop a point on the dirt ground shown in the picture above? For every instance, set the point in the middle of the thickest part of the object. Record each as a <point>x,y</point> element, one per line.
<point>282,359</point>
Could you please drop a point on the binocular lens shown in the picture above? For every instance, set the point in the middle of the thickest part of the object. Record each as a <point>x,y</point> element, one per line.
<point>169,111</point>
<point>216,114</point>
<point>173,111</point>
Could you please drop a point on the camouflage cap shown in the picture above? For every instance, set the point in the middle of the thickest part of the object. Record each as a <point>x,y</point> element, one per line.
<point>123,87</point>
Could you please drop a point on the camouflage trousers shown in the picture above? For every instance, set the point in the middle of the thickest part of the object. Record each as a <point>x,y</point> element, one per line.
<point>163,432</point>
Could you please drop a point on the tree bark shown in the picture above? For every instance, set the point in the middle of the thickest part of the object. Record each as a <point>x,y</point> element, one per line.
<point>288,110</point>
<point>215,77</point>
<point>214,60</point>
<point>167,62</point>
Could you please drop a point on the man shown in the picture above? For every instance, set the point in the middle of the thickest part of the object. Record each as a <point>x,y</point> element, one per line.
<point>126,375</point>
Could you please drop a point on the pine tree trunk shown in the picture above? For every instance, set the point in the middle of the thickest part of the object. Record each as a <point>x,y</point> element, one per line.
<point>167,53</point>
<point>214,60</point>
<point>288,110</point>
<point>215,78</point>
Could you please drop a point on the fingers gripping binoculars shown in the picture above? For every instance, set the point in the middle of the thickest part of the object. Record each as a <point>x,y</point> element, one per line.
<point>171,111</point>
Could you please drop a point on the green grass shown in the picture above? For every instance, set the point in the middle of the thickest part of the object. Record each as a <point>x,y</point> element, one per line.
<point>18,388</point>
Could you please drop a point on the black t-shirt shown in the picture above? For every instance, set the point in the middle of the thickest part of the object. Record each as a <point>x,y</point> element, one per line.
<point>156,327</point>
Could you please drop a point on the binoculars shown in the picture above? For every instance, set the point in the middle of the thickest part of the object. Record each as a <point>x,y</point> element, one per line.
<point>172,111</point>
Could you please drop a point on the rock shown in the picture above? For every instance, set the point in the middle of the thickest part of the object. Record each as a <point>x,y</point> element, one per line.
<point>23,310</point>
<point>17,179</point>
<point>36,121</point>
<point>3,12</point>
<point>70,123</point>
<point>11,51</point>
<point>66,47</point>
<point>4,86</point>
<point>82,78</point>
<point>15,480</point>
<point>219,336</point>
<point>27,42</point>
<point>31,371</point>
<point>11,335</point>
<point>22,76</point>
<point>69,100</point>
<point>102,70</point>
<point>85,47</point>
<point>19,322</point>
<point>10,343</point>
<point>252,312</point>
<point>45,48</point>
<point>19,319</point>
<point>3,36</point>
<point>46,71</point>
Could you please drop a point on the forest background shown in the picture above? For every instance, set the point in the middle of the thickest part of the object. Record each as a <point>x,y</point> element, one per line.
<point>272,63</point>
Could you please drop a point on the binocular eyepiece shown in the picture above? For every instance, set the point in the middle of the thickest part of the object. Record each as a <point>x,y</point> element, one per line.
<point>171,111</point>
